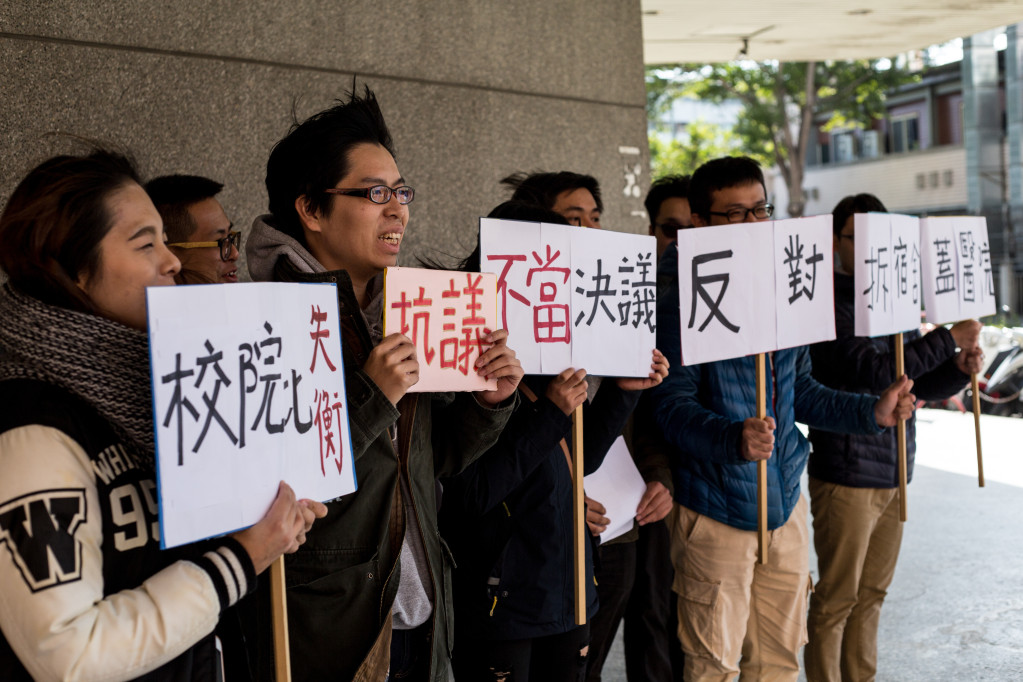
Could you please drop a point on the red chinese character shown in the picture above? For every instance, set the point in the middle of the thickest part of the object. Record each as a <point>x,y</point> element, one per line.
<point>318,336</point>
<point>326,414</point>
<point>550,322</point>
<point>473,290</point>
<point>422,317</point>
<point>502,286</point>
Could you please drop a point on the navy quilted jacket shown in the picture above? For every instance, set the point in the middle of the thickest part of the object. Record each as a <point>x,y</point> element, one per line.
<point>867,365</point>
<point>700,410</point>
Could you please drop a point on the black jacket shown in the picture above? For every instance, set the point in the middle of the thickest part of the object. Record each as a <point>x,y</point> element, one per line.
<point>508,520</point>
<point>867,365</point>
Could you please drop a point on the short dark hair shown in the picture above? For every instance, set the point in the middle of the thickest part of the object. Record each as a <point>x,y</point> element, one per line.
<point>512,210</point>
<point>173,194</point>
<point>314,156</point>
<point>719,174</point>
<point>854,203</point>
<point>542,189</point>
<point>53,223</point>
<point>666,187</point>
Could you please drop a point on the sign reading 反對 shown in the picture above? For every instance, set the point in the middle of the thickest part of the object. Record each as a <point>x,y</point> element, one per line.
<point>248,391</point>
<point>573,297</point>
<point>754,287</point>
<point>447,315</point>
<point>958,282</point>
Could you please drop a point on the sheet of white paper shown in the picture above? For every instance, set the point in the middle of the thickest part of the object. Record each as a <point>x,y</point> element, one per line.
<point>940,270</point>
<point>804,281</point>
<point>617,485</point>
<point>976,283</point>
<point>505,246</point>
<point>614,302</point>
<point>905,272</point>
<point>872,278</point>
<point>726,292</point>
<point>248,390</point>
<point>446,314</point>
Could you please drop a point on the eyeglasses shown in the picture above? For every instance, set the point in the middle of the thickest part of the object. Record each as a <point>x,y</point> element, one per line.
<point>671,228</point>
<point>378,194</point>
<point>233,238</point>
<point>738,215</point>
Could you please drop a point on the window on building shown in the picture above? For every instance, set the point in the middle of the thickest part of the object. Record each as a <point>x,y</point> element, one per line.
<point>905,135</point>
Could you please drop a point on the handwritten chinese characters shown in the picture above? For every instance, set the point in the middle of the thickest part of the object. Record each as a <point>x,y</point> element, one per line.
<point>248,387</point>
<point>887,277</point>
<point>754,287</point>
<point>447,315</point>
<point>959,283</point>
<point>574,297</point>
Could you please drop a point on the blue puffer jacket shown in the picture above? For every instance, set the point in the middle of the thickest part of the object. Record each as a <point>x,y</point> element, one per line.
<point>700,410</point>
<point>867,365</point>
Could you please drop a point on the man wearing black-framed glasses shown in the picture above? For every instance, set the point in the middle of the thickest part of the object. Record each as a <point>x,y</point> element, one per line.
<point>667,205</point>
<point>198,230</point>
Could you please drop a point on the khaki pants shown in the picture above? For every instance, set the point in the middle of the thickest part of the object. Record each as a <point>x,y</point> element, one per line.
<point>730,607</point>
<point>857,535</point>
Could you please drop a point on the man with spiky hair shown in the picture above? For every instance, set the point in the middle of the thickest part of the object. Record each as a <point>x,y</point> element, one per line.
<point>369,597</point>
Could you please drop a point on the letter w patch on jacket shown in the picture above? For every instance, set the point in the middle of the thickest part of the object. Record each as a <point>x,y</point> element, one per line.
<point>39,531</point>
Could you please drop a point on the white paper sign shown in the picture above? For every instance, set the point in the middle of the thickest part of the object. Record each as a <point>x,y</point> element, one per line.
<point>887,272</point>
<point>754,287</point>
<point>958,282</point>
<point>617,485</point>
<point>447,315</point>
<point>573,297</point>
<point>804,281</point>
<point>725,279</point>
<point>248,390</point>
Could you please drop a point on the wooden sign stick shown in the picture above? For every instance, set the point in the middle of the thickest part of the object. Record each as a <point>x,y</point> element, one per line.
<point>976,425</point>
<point>579,516</point>
<point>760,362</point>
<point>282,651</point>
<point>900,369</point>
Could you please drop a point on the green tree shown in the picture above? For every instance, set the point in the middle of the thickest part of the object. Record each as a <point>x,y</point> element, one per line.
<point>701,142</point>
<point>782,102</point>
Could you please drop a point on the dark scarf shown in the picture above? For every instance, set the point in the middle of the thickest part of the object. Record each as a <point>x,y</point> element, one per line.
<point>102,362</point>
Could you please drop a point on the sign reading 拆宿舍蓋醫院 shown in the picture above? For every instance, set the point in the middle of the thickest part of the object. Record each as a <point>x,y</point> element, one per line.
<point>248,391</point>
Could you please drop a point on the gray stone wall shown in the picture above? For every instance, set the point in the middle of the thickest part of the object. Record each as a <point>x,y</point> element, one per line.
<point>472,91</point>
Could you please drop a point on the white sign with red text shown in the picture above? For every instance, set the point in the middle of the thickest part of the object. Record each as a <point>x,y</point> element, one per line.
<point>248,391</point>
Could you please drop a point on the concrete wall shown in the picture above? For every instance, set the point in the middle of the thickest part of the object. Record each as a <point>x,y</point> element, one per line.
<point>471,90</point>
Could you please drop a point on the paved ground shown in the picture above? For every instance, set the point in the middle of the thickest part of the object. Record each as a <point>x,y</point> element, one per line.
<point>955,609</point>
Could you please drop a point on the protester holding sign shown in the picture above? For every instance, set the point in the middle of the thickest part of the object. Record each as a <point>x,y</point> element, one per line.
<point>854,478</point>
<point>706,413</point>
<point>508,517</point>
<point>338,212</point>
<point>85,591</point>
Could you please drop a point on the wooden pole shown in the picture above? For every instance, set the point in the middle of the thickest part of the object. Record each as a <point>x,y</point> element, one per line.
<point>976,426</point>
<point>282,652</point>
<point>762,464</point>
<point>900,369</point>
<point>579,516</point>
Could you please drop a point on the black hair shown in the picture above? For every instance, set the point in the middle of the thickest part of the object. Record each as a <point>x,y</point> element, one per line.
<point>854,203</point>
<point>314,156</point>
<point>173,194</point>
<point>52,226</point>
<point>666,187</point>
<point>719,174</point>
<point>512,210</point>
<point>542,189</point>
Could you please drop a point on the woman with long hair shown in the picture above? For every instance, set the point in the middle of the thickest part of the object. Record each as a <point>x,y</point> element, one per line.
<point>85,591</point>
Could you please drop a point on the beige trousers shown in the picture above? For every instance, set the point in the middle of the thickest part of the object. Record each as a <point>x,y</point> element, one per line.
<point>857,535</point>
<point>730,607</point>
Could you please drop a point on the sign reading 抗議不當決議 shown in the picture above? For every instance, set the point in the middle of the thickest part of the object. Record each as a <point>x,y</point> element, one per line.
<point>448,316</point>
<point>572,297</point>
<point>248,391</point>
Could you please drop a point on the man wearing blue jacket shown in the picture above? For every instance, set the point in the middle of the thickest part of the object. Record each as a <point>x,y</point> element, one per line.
<point>730,607</point>
<point>854,489</point>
